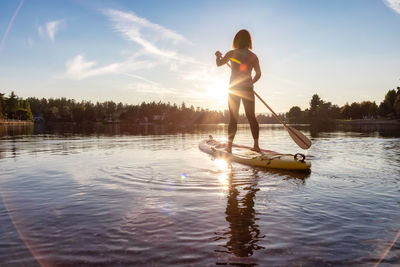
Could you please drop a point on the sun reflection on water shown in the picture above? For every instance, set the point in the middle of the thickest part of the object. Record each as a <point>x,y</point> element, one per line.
<point>225,170</point>
<point>224,181</point>
<point>221,164</point>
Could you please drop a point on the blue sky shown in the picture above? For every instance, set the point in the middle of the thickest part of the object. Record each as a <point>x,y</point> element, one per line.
<point>134,51</point>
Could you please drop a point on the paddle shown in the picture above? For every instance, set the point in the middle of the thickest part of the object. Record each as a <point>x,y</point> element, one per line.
<point>299,138</point>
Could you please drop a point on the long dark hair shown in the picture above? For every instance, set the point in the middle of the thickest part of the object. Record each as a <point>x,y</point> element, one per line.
<point>242,40</point>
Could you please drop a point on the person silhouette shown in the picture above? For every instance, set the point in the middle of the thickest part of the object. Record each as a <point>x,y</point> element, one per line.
<point>242,62</point>
<point>242,236</point>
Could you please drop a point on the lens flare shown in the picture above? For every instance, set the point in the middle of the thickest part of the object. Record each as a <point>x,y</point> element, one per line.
<point>183,176</point>
<point>235,60</point>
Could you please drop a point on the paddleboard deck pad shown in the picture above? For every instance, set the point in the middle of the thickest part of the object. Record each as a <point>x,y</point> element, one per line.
<point>265,158</point>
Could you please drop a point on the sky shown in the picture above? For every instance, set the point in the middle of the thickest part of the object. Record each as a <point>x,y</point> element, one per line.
<point>135,51</point>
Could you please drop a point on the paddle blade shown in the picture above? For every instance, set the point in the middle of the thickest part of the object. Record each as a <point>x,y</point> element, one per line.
<point>300,139</point>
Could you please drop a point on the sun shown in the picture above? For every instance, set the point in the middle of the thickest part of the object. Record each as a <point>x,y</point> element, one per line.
<point>218,90</point>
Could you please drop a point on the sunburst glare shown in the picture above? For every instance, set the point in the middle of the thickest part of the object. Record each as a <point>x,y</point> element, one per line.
<point>221,164</point>
<point>218,90</point>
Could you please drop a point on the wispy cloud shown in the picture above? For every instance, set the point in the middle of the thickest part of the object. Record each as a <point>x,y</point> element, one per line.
<point>146,33</point>
<point>80,68</point>
<point>129,21</point>
<point>141,78</point>
<point>3,40</point>
<point>149,36</point>
<point>158,46</point>
<point>50,29</point>
<point>393,4</point>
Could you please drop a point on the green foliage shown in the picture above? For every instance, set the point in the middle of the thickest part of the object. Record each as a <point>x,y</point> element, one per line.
<point>355,111</point>
<point>315,104</point>
<point>387,107</point>
<point>24,114</point>
<point>15,108</point>
<point>345,111</point>
<point>1,105</point>
<point>296,115</point>
<point>373,110</point>
<point>69,110</point>
<point>397,105</point>
<point>11,106</point>
<point>321,112</point>
<point>365,109</point>
<point>368,109</point>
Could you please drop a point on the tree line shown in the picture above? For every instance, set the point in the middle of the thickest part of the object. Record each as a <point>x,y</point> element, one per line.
<point>14,108</point>
<point>321,112</point>
<point>70,110</point>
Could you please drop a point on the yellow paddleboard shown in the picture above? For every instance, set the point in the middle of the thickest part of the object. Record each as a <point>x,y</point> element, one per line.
<point>265,158</point>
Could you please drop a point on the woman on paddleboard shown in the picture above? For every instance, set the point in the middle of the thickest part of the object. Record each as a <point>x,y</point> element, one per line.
<point>242,62</point>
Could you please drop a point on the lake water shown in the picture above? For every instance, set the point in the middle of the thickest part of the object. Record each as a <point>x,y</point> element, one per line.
<point>148,196</point>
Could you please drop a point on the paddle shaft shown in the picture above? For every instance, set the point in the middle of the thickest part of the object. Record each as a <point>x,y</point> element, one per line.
<point>270,109</point>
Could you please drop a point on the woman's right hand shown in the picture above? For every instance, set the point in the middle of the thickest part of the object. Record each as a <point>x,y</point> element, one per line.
<point>218,54</point>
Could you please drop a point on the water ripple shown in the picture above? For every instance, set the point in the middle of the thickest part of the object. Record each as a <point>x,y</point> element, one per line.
<point>157,200</point>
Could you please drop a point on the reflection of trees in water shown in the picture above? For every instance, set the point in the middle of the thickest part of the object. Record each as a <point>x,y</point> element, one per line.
<point>14,130</point>
<point>243,233</point>
<point>124,129</point>
<point>382,130</point>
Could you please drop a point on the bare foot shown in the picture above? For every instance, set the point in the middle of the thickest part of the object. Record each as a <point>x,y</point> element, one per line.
<point>228,149</point>
<point>256,147</point>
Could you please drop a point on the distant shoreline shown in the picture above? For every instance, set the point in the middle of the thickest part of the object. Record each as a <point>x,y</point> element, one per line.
<point>337,122</point>
<point>368,122</point>
<point>15,122</point>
